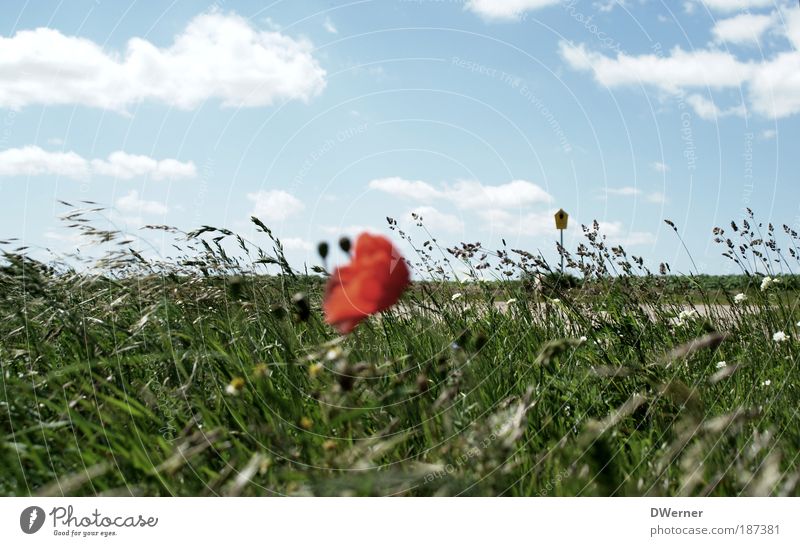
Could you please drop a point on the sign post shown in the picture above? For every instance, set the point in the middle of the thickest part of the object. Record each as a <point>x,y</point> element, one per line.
<point>561,225</point>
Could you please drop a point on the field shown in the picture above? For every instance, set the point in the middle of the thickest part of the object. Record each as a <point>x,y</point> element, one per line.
<point>215,374</point>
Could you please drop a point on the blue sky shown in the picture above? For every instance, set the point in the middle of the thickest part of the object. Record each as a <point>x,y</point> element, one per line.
<point>324,117</point>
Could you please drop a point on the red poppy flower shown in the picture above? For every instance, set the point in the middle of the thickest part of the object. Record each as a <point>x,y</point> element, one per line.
<point>372,282</point>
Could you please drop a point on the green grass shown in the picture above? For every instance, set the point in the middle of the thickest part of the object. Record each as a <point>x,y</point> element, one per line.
<point>204,376</point>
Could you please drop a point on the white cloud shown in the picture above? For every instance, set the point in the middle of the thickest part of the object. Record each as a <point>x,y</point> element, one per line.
<point>745,28</point>
<point>775,86</point>
<point>703,107</point>
<point>132,203</point>
<point>698,68</point>
<point>630,191</point>
<point>408,189</point>
<point>608,5</point>
<point>352,230</point>
<point>517,224</point>
<point>792,28</point>
<point>274,205</point>
<point>126,166</point>
<point>437,221</point>
<point>772,84</point>
<point>623,191</point>
<point>707,109</point>
<point>506,9</point>
<point>466,194</point>
<point>517,193</point>
<point>217,55</point>
<point>330,27</point>
<point>296,243</point>
<point>72,238</point>
<point>660,167</point>
<point>33,161</point>
<point>617,235</point>
<point>736,5</point>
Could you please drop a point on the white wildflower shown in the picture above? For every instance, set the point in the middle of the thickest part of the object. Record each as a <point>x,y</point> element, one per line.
<point>779,337</point>
<point>766,282</point>
<point>235,386</point>
<point>583,339</point>
<point>766,383</point>
<point>334,353</point>
<point>686,315</point>
<point>721,364</point>
<point>740,298</point>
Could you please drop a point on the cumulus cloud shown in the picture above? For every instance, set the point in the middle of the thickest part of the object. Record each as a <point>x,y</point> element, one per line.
<point>707,108</point>
<point>506,9</point>
<point>772,85</point>
<point>466,194</point>
<point>71,238</point>
<point>631,191</point>
<point>623,191</point>
<point>296,243</point>
<point>608,5</point>
<point>132,203</point>
<point>352,230</point>
<point>436,220</point>
<point>616,234</point>
<point>217,56</point>
<point>698,68</point>
<point>34,161</point>
<point>518,224</point>
<point>745,28</point>
<point>775,86</point>
<point>792,26</point>
<point>514,194</point>
<point>408,189</point>
<point>126,166</point>
<point>735,5</point>
<point>274,205</point>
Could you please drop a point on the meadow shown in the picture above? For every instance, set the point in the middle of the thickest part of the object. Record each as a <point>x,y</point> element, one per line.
<point>214,373</point>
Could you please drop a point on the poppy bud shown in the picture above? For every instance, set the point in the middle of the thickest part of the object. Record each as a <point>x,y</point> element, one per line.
<point>344,244</point>
<point>301,307</point>
<point>322,250</point>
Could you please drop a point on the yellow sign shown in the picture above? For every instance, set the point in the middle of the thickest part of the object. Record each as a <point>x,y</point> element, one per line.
<point>561,219</point>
